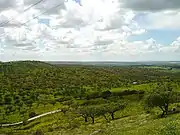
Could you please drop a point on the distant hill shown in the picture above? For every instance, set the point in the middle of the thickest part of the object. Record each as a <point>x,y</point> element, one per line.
<point>115,63</point>
<point>37,74</point>
<point>23,66</point>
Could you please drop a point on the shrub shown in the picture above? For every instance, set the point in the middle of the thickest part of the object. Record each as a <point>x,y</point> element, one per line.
<point>39,132</point>
<point>93,95</point>
<point>64,109</point>
<point>64,98</point>
<point>127,92</point>
<point>32,114</point>
<point>94,101</point>
<point>106,94</point>
<point>68,102</point>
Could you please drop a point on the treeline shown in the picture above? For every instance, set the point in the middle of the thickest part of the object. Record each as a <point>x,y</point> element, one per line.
<point>25,83</point>
<point>33,75</point>
<point>100,110</point>
<point>13,102</point>
<point>162,96</point>
<point>30,81</point>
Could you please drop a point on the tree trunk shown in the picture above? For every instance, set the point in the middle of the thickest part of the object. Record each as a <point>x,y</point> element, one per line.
<point>85,119</point>
<point>166,108</point>
<point>163,110</point>
<point>162,115</point>
<point>112,116</point>
<point>92,117</point>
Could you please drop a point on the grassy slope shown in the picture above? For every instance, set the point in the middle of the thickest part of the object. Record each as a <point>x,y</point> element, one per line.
<point>132,121</point>
<point>16,117</point>
<point>147,87</point>
<point>137,121</point>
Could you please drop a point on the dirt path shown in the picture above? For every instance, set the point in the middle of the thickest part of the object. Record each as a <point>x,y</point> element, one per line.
<point>30,119</point>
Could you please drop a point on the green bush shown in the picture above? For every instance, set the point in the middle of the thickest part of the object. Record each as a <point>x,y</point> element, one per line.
<point>93,95</point>
<point>95,101</point>
<point>127,92</point>
<point>39,132</point>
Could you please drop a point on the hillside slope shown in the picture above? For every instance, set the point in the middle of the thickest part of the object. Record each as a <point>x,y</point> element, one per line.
<point>31,88</point>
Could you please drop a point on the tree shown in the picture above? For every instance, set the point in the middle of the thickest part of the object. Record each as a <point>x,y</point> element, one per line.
<point>81,92</point>
<point>94,111</point>
<point>29,102</point>
<point>2,113</point>
<point>1,100</point>
<point>8,99</point>
<point>113,107</point>
<point>43,99</point>
<point>64,109</point>
<point>93,95</point>
<point>84,112</point>
<point>90,111</point>
<point>9,109</point>
<point>161,98</point>
<point>106,94</point>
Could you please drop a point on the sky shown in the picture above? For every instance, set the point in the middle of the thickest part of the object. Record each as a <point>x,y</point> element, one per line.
<point>90,30</point>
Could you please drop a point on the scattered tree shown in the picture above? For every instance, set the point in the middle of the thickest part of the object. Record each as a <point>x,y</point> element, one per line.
<point>84,112</point>
<point>106,94</point>
<point>161,97</point>
<point>114,107</point>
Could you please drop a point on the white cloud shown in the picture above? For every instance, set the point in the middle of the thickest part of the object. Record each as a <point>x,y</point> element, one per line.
<point>176,42</point>
<point>46,5</point>
<point>6,4</point>
<point>151,5</point>
<point>97,30</point>
<point>167,19</point>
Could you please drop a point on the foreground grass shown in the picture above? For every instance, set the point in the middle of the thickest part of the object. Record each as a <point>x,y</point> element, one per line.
<point>141,124</point>
<point>131,121</point>
<point>38,109</point>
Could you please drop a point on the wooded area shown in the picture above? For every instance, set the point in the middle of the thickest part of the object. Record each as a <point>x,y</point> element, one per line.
<point>84,91</point>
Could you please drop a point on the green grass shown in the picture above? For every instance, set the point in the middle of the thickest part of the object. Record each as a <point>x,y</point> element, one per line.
<point>132,121</point>
<point>165,69</point>
<point>145,87</point>
<point>141,124</point>
<point>45,108</point>
<point>16,117</point>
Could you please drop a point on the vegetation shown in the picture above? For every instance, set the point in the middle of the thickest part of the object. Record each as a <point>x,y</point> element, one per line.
<point>161,97</point>
<point>106,99</point>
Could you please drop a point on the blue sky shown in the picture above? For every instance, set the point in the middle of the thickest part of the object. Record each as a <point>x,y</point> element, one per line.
<point>162,36</point>
<point>78,1</point>
<point>44,21</point>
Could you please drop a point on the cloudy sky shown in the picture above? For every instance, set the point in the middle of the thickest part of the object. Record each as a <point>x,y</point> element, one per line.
<point>90,30</point>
